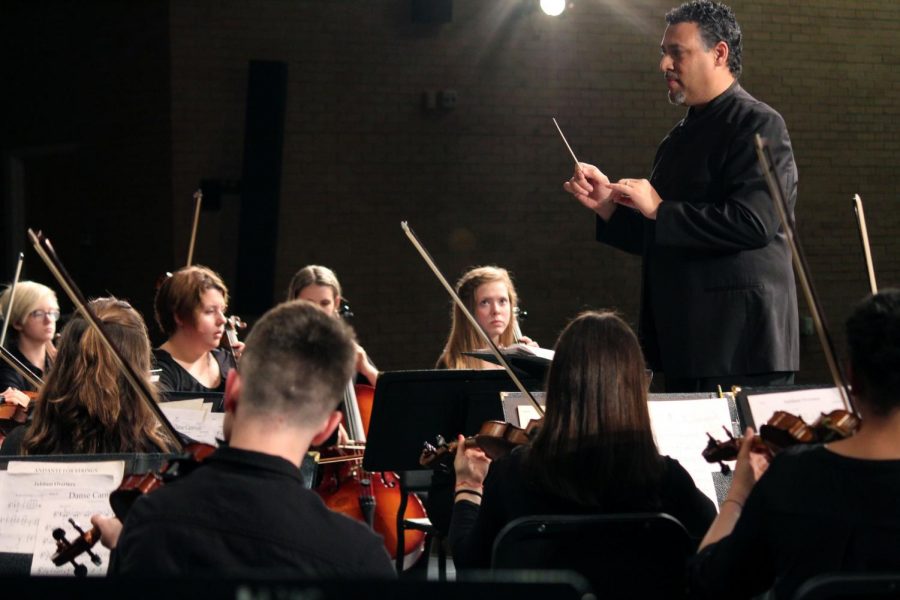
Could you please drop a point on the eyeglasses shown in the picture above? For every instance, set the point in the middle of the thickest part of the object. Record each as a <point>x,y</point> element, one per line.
<point>53,315</point>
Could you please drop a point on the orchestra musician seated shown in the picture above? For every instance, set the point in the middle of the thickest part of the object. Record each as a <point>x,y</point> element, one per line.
<point>190,308</point>
<point>30,332</point>
<point>489,294</point>
<point>593,454</point>
<point>818,508</point>
<point>244,511</point>
<point>86,405</point>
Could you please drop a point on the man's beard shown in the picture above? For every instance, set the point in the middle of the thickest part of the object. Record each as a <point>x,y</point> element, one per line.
<point>676,97</point>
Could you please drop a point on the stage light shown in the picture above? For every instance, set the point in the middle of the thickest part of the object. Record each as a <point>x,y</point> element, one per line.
<point>553,8</point>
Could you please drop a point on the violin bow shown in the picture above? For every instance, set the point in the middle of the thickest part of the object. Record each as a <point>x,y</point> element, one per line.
<point>45,250</point>
<point>462,306</point>
<point>12,298</point>
<point>864,238</point>
<point>20,368</point>
<point>198,200</point>
<point>802,269</point>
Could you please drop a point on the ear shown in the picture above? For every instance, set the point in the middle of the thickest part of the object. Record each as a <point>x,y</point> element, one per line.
<point>721,51</point>
<point>327,428</point>
<point>18,326</point>
<point>233,386</point>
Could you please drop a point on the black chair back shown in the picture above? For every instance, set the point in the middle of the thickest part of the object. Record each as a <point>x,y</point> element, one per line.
<point>622,555</point>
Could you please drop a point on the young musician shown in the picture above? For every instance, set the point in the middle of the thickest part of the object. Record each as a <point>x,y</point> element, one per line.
<point>320,285</point>
<point>489,294</point>
<point>595,452</point>
<point>819,508</point>
<point>190,309</point>
<point>86,406</point>
<point>30,332</point>
<point>244,511</point>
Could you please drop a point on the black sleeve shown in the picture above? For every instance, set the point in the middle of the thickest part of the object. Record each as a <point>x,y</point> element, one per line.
<point>738,565</point>
<point>168,372</point>
<point>744,216</point>
<point>624,230</point>
<point>12,445</point>
<point>474,528</point>
<point>685,502</point>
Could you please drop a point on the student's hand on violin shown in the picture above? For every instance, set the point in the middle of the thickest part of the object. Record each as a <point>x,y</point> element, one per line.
<point>110,529</point>
<point>14,396</point>
<point>591,187</point>
<point>636,193</point>
<point>749,468</point>
<point>528,341</point>
<point>238,349</point>
<point>471,465</point>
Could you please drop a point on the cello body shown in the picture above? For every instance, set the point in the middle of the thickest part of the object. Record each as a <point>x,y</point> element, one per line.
<point>373,498</point>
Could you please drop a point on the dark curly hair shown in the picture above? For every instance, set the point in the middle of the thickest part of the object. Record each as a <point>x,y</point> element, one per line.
<point>873,337</point>
<point>717,23</point>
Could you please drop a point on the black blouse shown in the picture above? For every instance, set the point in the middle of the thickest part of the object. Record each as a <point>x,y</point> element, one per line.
<point>174,378</point>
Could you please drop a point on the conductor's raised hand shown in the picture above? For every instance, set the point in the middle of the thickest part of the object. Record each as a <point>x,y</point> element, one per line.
<point>591,187</point>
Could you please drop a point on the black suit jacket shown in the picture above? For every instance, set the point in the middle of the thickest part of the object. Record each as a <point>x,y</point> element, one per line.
<point>718,293</point>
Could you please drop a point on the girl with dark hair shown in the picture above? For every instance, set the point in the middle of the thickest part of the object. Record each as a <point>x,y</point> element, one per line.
<point>594,454</point>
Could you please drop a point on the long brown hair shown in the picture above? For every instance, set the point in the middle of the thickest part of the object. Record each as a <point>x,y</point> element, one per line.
<point>86,405</point>
<point>596,446</point>
<point>463,337</point>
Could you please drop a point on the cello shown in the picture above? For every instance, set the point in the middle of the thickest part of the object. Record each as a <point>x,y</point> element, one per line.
<point>373,498</point>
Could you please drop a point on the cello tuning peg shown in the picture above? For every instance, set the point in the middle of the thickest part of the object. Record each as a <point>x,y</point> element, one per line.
<point>59,535</point>
<point>95,558</point>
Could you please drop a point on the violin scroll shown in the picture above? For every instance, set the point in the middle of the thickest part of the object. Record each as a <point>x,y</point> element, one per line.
<point>67,552</point>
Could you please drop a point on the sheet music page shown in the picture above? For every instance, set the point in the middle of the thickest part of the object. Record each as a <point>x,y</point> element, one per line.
<point>524,410</point>
<point>23,495</point>
<point>200,424</point>
<point>92,497</point>
<point>111,468</point>
<point>680,428</point>
<point>806,404</point>
<point>193,403</point>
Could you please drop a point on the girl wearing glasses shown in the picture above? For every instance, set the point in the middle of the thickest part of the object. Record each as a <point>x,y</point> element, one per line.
<point>30,332</point>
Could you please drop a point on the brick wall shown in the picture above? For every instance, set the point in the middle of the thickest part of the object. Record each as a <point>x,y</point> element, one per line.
<point>481,183</point>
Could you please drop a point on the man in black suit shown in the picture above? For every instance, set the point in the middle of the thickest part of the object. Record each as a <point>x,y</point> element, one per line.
<point>719,306</point>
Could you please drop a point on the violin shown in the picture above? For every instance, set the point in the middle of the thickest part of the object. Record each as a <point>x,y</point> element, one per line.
<point>230,340</point>
<point>121,500</point>
<point>495,438</point>
<point>782,431</point>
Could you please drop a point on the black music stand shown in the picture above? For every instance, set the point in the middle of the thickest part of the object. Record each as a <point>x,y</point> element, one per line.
<point>413,407</point>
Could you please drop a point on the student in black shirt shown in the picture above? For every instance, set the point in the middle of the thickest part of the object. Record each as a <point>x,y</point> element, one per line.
<point>244,510</point>
<point>30,332</point>
<point>190,308</point>
<point>822,508</point>
<point>594,453</point>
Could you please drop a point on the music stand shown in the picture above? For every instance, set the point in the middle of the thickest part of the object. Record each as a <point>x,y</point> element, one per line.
<point>412,407</point>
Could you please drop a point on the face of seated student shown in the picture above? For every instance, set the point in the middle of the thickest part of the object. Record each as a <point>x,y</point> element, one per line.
<point>39,324</point>
<point>492,308</point>
<point>320,295</point>
<point>209,319</point>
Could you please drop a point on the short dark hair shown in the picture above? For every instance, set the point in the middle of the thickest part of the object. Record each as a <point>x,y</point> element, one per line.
<point>717,23</point>
<point>873,337</point>
<point>297,363</point>
<point>180,293</point>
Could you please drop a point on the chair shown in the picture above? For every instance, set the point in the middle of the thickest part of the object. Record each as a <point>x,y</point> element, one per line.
<point>635,555</point>
<point>834,586</point>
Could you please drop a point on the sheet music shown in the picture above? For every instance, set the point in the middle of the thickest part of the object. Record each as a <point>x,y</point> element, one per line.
<point>56,511</point>
<point>680,428</point>
<point>806,404</point>
<point>24,495</point>
<point>195,421</point>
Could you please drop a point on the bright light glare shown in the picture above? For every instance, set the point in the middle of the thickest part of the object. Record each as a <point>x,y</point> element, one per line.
<point>554,8</point>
